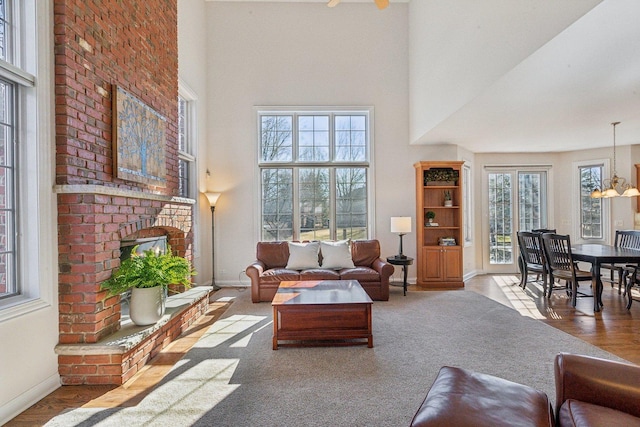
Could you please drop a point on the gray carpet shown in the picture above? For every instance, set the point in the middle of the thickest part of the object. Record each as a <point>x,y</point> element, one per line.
<point>232,377</point>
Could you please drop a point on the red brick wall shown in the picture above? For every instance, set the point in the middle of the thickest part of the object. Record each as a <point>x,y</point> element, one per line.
<point>101,44</point>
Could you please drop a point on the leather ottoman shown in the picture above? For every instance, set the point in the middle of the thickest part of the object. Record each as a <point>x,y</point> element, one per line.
<point>462,398</point>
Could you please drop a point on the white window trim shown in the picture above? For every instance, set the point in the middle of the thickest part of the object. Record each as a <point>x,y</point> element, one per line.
<point>575,203</point>
<point>37,234</point>
<point>467,188</point>
<point>265,109</point>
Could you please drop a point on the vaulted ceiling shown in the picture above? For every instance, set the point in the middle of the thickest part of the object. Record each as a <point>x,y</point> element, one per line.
<point>525,76</point>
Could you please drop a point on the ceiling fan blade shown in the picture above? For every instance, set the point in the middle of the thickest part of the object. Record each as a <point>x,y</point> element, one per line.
<point>382,4</point>
<point>333,3</point>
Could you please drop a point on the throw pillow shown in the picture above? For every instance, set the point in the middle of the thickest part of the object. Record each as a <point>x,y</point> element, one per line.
<point>336,255</point>
<point>303,256</point>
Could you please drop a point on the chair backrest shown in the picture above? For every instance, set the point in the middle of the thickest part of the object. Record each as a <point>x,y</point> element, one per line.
<point>558,251</point>
<point>543,230</point>
<point>629,239</point>
<point>531,247</point>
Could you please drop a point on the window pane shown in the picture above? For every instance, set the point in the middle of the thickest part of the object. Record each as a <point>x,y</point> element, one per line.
<point>182,124</point>
<point>276,144</point>
<point>351,201</point>
<point>277,204</point>
<point>590,209</point>
<point>183,178</point>
<point>500,196</point>
<point>3,31</point>
<point>532,205</point>
<point>351,138</point>
<point>314,203</point>
<point>313,137</point>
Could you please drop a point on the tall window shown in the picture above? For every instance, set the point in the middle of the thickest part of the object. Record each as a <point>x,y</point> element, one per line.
<point>186,146</point>
<point>314,169</point>
<point>590,209</point>
<point>23,135</point>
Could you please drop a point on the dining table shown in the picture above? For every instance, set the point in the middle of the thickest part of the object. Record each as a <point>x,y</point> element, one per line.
<point>598,254</point>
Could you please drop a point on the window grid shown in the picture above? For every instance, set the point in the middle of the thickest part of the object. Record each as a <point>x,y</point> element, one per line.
<point>590,209</point>
<point>9,285</point>
<point>321,194</point>
<point>186,158</point>
<point>500,223</point>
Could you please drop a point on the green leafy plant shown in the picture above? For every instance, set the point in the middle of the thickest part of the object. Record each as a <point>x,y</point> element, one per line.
<point>148,270</point>
<point>430,214</point>
<point>447,195</point>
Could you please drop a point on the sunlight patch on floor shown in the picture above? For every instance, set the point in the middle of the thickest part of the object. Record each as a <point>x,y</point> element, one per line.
<point>516,296</point>
<point>227,329</point>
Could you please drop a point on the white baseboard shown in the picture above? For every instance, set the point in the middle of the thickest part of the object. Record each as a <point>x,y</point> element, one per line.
<point>19,404</point>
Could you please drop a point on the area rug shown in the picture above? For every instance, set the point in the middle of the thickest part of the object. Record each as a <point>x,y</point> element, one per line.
<point>232,377</point>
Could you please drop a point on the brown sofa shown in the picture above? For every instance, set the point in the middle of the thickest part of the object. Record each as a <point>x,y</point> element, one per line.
<point>589,392</point>
<point>269,269</point>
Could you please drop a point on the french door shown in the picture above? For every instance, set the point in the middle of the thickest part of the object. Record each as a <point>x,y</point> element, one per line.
<point>516,200</point>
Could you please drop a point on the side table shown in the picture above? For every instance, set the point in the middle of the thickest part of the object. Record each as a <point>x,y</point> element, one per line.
<point>405,263</point>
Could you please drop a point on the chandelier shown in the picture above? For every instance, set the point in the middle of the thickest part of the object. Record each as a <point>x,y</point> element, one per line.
<point>614,185</point>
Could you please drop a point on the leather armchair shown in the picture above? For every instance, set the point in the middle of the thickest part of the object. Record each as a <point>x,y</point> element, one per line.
<point>596,392</point>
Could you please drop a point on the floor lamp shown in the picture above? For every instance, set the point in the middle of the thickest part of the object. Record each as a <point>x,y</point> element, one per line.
<point>213,198</point>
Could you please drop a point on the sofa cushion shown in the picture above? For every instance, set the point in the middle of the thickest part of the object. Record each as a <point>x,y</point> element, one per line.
<point>303,255</point>
<point>365,252</point>
<point>272,254</point>
<point>361,274</point>
<point>336,255</point>
<point>319,274</point>
<point>577,413</point>
<point>277,275</point>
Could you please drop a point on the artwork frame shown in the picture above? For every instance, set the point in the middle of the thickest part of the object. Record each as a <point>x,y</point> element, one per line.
<point>139,140</point>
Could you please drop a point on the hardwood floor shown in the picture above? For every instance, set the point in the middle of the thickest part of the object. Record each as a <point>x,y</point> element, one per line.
<point>614,329</point>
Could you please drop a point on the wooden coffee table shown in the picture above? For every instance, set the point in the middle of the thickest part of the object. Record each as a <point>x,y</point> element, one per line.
<point>326,312</point>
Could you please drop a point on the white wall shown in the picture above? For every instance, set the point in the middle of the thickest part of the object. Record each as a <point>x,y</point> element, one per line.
<point>290,54</point>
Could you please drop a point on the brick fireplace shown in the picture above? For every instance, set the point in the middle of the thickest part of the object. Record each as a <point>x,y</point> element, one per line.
<point>132,45</point>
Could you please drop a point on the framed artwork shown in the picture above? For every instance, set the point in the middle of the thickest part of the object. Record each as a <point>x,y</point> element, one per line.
<point>140,140</point>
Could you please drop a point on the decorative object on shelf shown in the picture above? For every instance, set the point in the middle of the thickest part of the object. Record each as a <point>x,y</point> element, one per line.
<point>441,176</point>
<point>611,185</point>
<point>402,226</point>
<point>213,199</point>
<point>447,241</point>
<point>148,275</point>
<point>447,198</point>
<point>430,216</point>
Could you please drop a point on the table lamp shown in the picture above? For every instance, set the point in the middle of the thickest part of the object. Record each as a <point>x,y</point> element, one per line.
<point>402,226</point>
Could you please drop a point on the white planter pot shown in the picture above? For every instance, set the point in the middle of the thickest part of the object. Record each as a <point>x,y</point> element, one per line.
<point>448,203</point>
<point>147,305</point>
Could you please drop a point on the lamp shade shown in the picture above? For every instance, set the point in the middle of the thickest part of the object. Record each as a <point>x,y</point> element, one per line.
<point>213,198</point>
<point>401,224</point>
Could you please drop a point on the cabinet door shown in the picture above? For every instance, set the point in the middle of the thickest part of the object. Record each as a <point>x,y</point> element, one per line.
<point>432,264</point>
<point>452,266</point>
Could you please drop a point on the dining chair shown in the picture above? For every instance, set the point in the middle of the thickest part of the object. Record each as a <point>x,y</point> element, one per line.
<point>532,258</point>
<point>562,266</point>
<point>629,239</point>
<point>632,279</point>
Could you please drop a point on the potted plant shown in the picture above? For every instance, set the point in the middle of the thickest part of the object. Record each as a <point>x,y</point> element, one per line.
<point>447,198</point>
<point>148,276</point>
<point>430,215</point>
